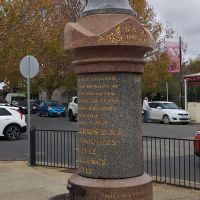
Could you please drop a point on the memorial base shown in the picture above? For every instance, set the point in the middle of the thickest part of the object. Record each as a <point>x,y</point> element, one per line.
<point>60,197</point>
<point>138,188</point>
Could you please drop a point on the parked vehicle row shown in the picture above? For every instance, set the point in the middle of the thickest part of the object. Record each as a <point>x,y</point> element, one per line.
<point>20,101</point>
<point>44,108</point>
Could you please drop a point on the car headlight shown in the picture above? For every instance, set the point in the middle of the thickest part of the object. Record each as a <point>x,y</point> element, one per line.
<point>50,109</point>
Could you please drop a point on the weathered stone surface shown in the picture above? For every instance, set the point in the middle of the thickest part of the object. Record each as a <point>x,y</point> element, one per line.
<point>105,30</point>
<point>110,141</point>
<point>60,197</point>
<point>108,6</point>
<point>109,69</point>
<point>108,59</point>
<point>108,52</point>
<point>139,188</point>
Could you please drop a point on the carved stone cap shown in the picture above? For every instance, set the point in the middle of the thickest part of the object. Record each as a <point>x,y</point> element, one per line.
<point>107,7</point>
<point>107,30</point>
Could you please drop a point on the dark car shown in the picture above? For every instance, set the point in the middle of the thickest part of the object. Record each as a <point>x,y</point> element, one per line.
<point>4,103</point>
<point>33,107</point>
<point>23,108</point>
<point>36,104</point>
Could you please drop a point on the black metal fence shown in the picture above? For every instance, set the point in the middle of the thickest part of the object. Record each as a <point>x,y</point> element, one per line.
<point>172,161</point>
<point>167,160</point>
<point>55,148</point>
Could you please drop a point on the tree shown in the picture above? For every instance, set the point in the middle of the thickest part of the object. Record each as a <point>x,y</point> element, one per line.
<point>156,69</point>
<point>75,8</point>
<point>36,28</point>
<point>194,66</point>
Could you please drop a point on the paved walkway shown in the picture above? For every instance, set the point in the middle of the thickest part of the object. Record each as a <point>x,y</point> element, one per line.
<point>20,182</point>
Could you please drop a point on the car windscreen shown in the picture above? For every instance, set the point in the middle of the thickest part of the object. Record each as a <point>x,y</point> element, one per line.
<point>18,98</point>
<point>169,106</point>
<point>52,103</point>
<point>22,103</point>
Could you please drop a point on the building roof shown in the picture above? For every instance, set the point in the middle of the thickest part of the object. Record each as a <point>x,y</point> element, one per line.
<point>192,77</point>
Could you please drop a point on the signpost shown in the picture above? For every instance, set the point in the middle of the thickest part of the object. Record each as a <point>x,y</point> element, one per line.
<point>167,89</point>
<point>29,68</point>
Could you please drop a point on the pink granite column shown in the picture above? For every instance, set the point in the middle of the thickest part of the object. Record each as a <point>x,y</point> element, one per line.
<point>108,54</point>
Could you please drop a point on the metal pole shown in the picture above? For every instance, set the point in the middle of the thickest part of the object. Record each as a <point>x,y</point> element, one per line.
<point>32,146</point>
<point>181,88</point>
<point>167,88</point>
<point>28,103</point>
<point>185,81</point>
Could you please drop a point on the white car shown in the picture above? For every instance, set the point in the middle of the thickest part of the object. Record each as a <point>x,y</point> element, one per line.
<point>73,109</point>
<point>168,112</point>
<point>12,122</point>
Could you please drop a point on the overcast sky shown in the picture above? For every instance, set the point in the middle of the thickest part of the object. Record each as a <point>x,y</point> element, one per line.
<point>185,17</point>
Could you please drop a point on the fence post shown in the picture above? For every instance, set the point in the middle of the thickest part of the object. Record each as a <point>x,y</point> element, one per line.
<point>32,146</point>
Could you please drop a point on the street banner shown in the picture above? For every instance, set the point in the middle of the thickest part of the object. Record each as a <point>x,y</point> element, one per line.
<point>173,52</point>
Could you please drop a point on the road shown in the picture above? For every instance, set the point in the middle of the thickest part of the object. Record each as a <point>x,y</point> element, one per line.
<point>172,130</point>
<point>17,150</point>
<point>174,163</point>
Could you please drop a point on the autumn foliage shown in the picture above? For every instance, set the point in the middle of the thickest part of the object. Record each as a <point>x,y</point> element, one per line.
<point>37,28</point>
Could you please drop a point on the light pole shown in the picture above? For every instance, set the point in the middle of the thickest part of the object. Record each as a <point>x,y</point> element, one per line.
<point>167,90</point>
<point>181,74</point>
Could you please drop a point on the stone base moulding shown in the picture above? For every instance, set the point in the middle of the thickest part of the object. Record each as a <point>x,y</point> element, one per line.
<point>60,197</point>
<point>138,188</point>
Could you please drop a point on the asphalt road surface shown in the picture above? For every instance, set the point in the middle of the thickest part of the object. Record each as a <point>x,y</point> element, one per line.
<point>182,164</point>
<point>17,150</point>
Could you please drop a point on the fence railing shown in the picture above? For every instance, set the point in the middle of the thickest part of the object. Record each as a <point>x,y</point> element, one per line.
<point>172,161</point>
<point>55,148</point>
<point>167,160</point>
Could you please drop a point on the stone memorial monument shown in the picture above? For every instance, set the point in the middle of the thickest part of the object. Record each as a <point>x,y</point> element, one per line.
<point>108,44</point>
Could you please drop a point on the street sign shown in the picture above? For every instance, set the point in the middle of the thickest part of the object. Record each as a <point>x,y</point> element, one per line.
<point>29,66</point>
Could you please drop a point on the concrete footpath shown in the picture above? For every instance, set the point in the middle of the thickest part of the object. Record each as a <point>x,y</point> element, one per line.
<point>21,182</point>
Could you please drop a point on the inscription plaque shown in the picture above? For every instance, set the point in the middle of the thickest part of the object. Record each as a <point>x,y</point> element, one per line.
<point>109,126</point>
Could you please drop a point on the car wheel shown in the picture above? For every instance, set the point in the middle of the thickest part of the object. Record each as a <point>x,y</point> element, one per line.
<point>40,114</point>
<point>12,132</point>
<point>71,116</point>
<point>166,119</point>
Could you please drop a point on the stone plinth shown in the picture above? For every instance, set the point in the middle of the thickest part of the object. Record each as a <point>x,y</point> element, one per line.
<point>139,188</point>
<point>108,54</point>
